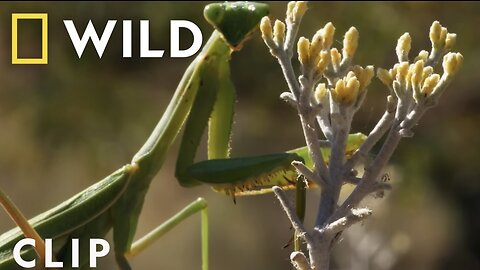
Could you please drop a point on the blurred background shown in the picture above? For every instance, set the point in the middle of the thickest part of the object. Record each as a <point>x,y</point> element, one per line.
<point>65,125</point>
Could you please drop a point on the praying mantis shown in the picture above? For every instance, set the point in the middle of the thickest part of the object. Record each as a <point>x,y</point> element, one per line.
<point>204,97</point>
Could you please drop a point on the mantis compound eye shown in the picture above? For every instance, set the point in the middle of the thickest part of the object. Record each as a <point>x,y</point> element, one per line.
<point>214,13</point>
<point>237,20</point>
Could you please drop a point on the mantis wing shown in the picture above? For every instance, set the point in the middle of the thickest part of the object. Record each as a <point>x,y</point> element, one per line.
<point>257,174</point>
<point>72,214</point>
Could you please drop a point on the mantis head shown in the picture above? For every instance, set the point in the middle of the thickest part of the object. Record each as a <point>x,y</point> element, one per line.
<point>236,21</point>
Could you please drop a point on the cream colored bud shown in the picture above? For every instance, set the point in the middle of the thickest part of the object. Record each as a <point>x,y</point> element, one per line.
<point>393,71</point>
<point>299,10</point>
<point>328,32</point>
<point>402,72</point>
<point>443,36</point>
<point>365,77</point>
<point>451,63</point>
<point>385,77</point>
<point>435,32</point>
<point>290,7</point>
<point>352,86</point>
<point>340,86</point>
<point>417,72</point>
<point>339,92</point>
<point>408,79</point>
<point>320,92</point>
<point>427,71</point>
<point>317,45</point>
<point>404,44</point>
<point>357,70</point>
<point>350,74</point>
<point>422,55</point>
<point>266,28</point>
<point>450,41</point>
<point>430,84</point>
<point>336,57</point>
<point>323,62</point>
<point>303,49</point>
<point>346,92</point>
<point>279,32</point>
<point>350,42</point>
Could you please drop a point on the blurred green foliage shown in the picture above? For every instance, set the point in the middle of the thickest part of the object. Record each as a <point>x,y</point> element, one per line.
<point>69,123</point>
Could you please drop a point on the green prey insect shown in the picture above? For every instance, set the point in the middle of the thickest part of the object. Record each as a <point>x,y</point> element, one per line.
<point>116,201</point>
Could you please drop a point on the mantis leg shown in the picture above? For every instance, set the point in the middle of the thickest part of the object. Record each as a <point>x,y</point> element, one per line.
<point>198,205</point>
<point>300,205</point>
<point>221,118</point>
<point>209,99</point>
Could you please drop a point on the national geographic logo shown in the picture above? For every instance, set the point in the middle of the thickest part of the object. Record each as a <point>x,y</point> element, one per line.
<point>30,16</point>
<point>100,41</point>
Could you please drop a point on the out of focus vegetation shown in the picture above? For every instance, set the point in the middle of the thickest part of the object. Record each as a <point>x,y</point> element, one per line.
<point>67,124</point>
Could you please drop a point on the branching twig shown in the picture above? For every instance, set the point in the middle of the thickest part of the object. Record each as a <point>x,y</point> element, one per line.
<point>299,261</point>
<point>332,104</point>
<point>373,137</point>
<point>339,225</point>
<point>291,214</point>
<point>305,171</point>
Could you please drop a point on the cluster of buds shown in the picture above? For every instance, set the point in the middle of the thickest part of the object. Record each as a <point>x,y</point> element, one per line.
<point>351,89</point>
<point>295,11</point>
<point>318,60</point>
<point>276,38</point>
<point>418,78</point>
<point>318,56</point>
<point>346,84</point>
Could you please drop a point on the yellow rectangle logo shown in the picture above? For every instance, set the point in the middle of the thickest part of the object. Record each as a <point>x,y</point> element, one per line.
<point>28,16</point>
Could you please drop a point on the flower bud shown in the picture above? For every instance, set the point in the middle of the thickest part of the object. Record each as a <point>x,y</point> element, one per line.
<point>427,71</point>
<point>303,48</point>
<point>385,77</point>
<point>320,92</point>
<point>317,45</point>
<point>422,55</point>
<point>450,41</point>
<point>443,36</point>
<point>346,92</point>
<point>323,62</point>
<point>404,45</point>
<point>365,77</point>
<point>328,31</point>
<point>350,42</point>
<point>430,84</point>
<point>451,63</point>
<point>417,72</point>
<point>266,28</point>
<point>402,72</point>
<point>298,11</point>
<point>393,71</point>
<point>336,57</point>
<point>435,32</point>
<point>290,7</point>
<point>279,32</point>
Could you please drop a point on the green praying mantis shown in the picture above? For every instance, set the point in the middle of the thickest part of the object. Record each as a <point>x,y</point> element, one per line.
<point>204,97</point>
